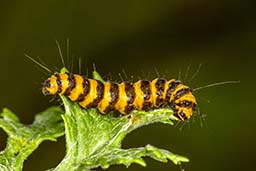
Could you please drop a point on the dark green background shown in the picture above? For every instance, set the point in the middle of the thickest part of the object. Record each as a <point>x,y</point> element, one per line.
<point>139,36</point>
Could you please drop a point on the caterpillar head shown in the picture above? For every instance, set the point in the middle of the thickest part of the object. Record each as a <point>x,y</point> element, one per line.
<point>184,113</point>
<point>50,86</point>
<point>184,103</point>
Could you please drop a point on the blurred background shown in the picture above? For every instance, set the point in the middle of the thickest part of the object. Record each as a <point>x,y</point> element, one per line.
<point>141,39</point>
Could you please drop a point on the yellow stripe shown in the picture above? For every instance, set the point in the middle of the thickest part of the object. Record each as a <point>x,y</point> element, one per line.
<point>78,89</point>
<point>139,100</point>
<point>91,95</point>
<point>104,103</point>
<point>179,87</point>
<point>64,79</point>
<point>153,91</point>
<point>188,97</point>
<point>54,87</point>
<point>122,101</point>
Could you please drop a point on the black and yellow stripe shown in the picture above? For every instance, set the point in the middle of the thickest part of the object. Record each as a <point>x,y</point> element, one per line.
<point>124,97</point>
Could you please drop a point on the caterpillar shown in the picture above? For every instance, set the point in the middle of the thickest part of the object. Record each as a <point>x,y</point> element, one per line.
<point>125,96</point>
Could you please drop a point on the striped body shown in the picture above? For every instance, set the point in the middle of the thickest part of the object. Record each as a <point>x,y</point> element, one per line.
<point>123,97</point>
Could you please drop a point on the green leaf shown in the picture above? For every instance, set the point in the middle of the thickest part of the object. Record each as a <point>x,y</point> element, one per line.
<point>94,140</point>
<point>24,139</point>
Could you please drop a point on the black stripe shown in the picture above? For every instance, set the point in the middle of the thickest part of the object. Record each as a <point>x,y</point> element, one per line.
<point>99,96</point>
<point>181,93</point>
<point>71,84</point>
<point>130,93</point>
<point>128,108</point>
<point>160,85</point>
<point>100,91</point>
<point>186,104</point>
<point>86,88</point>
<point>176,114</point>
<point>172,86</point>
<point>183,115</point>
<point>59,83</point>
<point>146,89</point>
<point>173,106</point>
<point>114,94</point>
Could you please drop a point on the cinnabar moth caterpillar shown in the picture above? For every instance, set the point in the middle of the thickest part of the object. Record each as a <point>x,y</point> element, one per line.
<point>123,97</point>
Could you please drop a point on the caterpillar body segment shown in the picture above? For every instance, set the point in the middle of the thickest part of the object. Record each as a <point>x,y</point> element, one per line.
<point>123,97</point>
